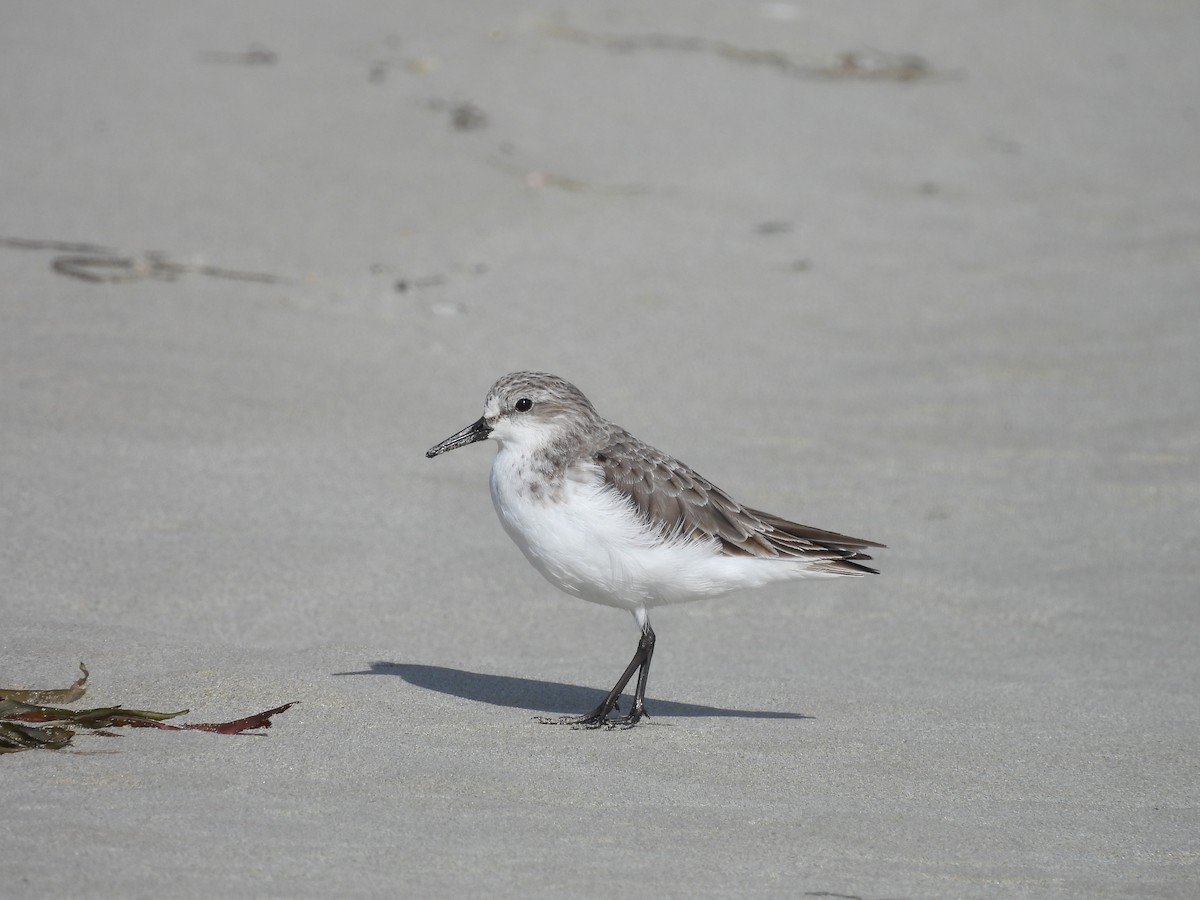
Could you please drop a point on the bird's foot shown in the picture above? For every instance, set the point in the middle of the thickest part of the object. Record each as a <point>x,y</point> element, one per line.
<point>595,719</point>
<point>625,722</point>
<point>598,718</point>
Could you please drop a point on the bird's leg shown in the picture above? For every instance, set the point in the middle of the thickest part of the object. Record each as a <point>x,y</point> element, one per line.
<point>599,716</point>
<point>646,650</point>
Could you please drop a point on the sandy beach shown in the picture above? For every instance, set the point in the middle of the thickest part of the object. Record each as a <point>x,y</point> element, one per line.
<point>927,273</point>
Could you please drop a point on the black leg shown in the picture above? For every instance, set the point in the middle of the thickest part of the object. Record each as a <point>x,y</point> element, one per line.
<point>598,717</point>
<point>646,648</point>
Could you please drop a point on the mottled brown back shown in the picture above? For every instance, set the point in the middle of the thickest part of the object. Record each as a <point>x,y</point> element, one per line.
<point>679,501</point>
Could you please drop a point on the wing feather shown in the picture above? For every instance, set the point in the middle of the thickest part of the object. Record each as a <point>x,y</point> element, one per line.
<point>678,501</point>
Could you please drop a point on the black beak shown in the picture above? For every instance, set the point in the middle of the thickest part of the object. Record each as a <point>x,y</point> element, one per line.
<point>476,431</point>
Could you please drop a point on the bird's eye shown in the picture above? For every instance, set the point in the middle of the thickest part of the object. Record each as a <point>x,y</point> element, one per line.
<point>523,405</point>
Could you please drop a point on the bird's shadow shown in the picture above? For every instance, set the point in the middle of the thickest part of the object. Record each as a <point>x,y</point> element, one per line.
<point>540,696</point>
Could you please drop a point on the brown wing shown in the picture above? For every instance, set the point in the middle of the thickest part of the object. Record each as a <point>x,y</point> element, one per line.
<point>678,501</point>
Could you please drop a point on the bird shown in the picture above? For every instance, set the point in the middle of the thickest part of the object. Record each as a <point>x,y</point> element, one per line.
<point>611,519</point>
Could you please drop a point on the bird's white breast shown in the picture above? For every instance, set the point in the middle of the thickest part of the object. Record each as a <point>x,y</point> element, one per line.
<point>588,540</point>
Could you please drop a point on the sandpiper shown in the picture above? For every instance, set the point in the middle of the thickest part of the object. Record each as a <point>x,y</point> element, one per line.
<point>610,519</point>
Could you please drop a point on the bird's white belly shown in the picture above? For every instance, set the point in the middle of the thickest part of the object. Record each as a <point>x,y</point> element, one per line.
<point>589,541</point>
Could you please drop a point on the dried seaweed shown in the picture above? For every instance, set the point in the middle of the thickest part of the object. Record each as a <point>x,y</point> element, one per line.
<point>27,724</point>
<point>61,695</point>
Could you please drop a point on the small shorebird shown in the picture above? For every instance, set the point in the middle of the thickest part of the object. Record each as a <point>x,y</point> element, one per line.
<point>610,519</point>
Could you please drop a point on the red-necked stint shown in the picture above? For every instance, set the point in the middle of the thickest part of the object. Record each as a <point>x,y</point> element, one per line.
<point>610,519</point>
